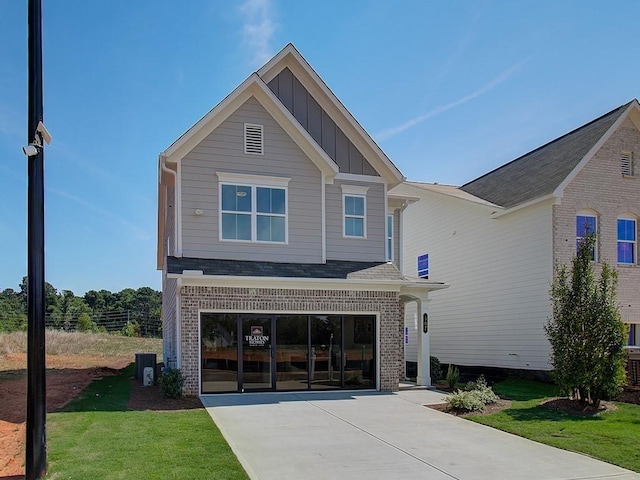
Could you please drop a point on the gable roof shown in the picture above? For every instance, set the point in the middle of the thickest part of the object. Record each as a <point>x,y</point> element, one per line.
<point>289,57</point>
<point>540,172</point>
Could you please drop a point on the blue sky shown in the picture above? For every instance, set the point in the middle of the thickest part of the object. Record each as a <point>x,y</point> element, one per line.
<point>449,90</point>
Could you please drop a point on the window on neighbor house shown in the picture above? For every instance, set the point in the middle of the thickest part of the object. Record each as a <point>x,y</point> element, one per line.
<point>354,208</point>
<point>423,265</point>
<point>253,213</point>
<point>633,328</point>
<point>585,225</point>
<point>626,241</point>
<point>389,238</point>
<point>627,164</point>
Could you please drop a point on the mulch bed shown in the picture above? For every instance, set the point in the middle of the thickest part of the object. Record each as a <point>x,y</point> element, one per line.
<point>150,398</point>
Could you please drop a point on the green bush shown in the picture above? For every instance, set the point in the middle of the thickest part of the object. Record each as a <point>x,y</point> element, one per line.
<point>435,369</point>
<point>453,374</point>
<point>475,396</point>
<point>171,381</point>
<point>131,329</point>
<point>85,324</point>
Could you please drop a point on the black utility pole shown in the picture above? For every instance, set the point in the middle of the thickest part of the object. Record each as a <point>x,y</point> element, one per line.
<point>36,453</point>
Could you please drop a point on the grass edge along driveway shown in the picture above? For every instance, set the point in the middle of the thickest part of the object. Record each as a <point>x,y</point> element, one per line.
<point>609,436</point>
<point>97,437</point>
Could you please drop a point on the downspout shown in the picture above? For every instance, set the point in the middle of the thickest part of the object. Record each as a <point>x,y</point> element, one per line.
<point>177,244</point>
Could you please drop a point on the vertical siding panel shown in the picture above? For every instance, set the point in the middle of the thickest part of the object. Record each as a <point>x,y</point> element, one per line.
<point>286,89</point>
<point>314,116</point>
<point>300,103</point>
<point>275,86</point>
<point>355,160</point>
<point>342,151</point>
<point>328,135</point>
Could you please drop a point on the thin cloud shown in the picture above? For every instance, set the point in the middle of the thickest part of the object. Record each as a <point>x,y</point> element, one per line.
<point>142,235</point>
<point>258,29</point>
<point>504,76</point>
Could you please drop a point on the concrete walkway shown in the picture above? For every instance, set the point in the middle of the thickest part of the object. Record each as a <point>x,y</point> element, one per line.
<point>373,435</point>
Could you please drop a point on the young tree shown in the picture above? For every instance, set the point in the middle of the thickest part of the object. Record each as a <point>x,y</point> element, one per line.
<point>586,333</point>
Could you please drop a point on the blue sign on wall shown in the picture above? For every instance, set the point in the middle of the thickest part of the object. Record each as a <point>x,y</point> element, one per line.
<point>423,265</point>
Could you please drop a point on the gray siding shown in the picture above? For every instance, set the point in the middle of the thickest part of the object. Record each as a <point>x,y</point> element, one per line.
<point>169,222</point>
<point>169,322</point>
<point>319,124</point>
<point>371,248</point>
<point>223,151</point>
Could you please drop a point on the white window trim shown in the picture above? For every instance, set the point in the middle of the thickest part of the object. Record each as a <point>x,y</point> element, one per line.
<point>595,217</point>
<point>255,127</point>
<point>634,243</point>
<point>253,182</point>
<point>354,191</point>
<point>389,237</point>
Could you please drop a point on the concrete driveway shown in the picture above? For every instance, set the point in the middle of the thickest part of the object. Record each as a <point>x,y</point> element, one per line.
<point>373,435</point>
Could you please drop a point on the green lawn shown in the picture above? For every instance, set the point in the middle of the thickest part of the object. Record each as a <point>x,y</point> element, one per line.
<point>96,437</point>
<point>611,436</point>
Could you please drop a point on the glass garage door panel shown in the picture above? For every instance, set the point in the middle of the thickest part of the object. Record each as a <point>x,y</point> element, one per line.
<point>256,353</point>
<point>292,347</point>
<point>219,353</point>
<point>359,352</point>
<point>326,352</point>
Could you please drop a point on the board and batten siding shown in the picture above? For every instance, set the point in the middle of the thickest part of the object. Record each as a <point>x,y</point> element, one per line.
<point>223,151</point>
<point>319,124</point>
<point>371,248</point>
<point>499,271</point>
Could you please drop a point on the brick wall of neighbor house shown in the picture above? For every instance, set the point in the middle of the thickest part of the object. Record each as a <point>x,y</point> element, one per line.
<point>600,187</point>
<point>193,299</point>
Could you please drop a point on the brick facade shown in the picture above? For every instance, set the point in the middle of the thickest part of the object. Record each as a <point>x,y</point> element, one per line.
<point>601,189</point>
<point>386,304</point>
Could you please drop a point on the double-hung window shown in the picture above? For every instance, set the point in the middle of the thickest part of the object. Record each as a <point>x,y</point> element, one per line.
<point>354,209</point>
<point>586,225</point>
<point>626,241</point>
<point>253,211</point>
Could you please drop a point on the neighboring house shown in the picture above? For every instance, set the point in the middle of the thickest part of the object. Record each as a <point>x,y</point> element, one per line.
<point>497,238</point>
<point>278,244</point>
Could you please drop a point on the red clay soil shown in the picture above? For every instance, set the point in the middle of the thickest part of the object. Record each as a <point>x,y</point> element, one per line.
<point>66,377</point>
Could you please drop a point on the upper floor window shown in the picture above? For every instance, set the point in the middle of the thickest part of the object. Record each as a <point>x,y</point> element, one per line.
<point>253,139</point>
<point>389,238</point>
<point>354,209</point>
<point>627,164</point>
<point>586,224</point>
<point>423,265</point>
<point>627,241</point>
<point>253,212</point>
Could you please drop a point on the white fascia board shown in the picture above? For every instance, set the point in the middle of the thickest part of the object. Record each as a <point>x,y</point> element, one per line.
<point>252,87</point>
<point>291,58</point>
<point>559,191</point>
<point>298,283</point>
<point>503,212</point>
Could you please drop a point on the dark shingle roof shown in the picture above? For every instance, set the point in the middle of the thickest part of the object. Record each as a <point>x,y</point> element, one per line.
<point>539,172</point>
<point>243,268</point>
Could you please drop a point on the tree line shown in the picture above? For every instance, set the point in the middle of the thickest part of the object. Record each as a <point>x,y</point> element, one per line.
<point>132,312</point>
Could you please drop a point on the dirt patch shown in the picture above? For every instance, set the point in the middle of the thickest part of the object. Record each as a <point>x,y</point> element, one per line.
<point>66,377</point>
<point>150,398</point>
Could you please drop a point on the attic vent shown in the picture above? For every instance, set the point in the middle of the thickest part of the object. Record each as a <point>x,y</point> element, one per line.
<point>253,139</point>
<point>627,164</point>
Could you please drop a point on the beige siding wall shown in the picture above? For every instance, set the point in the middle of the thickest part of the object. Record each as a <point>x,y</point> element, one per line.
<point>169,321</point>
<point>223,151</point>
<point>371,248</point>
<point>169,224</point>
<point>498,271</point>
<point>600,187</point>
<point>385,304</point>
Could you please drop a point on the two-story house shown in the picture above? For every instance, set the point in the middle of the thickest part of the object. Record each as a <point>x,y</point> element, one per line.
<point>278,244</point>
<point>497,238</point>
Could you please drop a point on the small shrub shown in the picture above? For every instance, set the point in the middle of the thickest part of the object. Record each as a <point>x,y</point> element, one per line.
<point>85,324</point>
<point>171,381</point>
<point>453,374</point>
<point>475,396</point>
<point>465,401</point>
<point>131,329</point>
<point>435,369</point>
